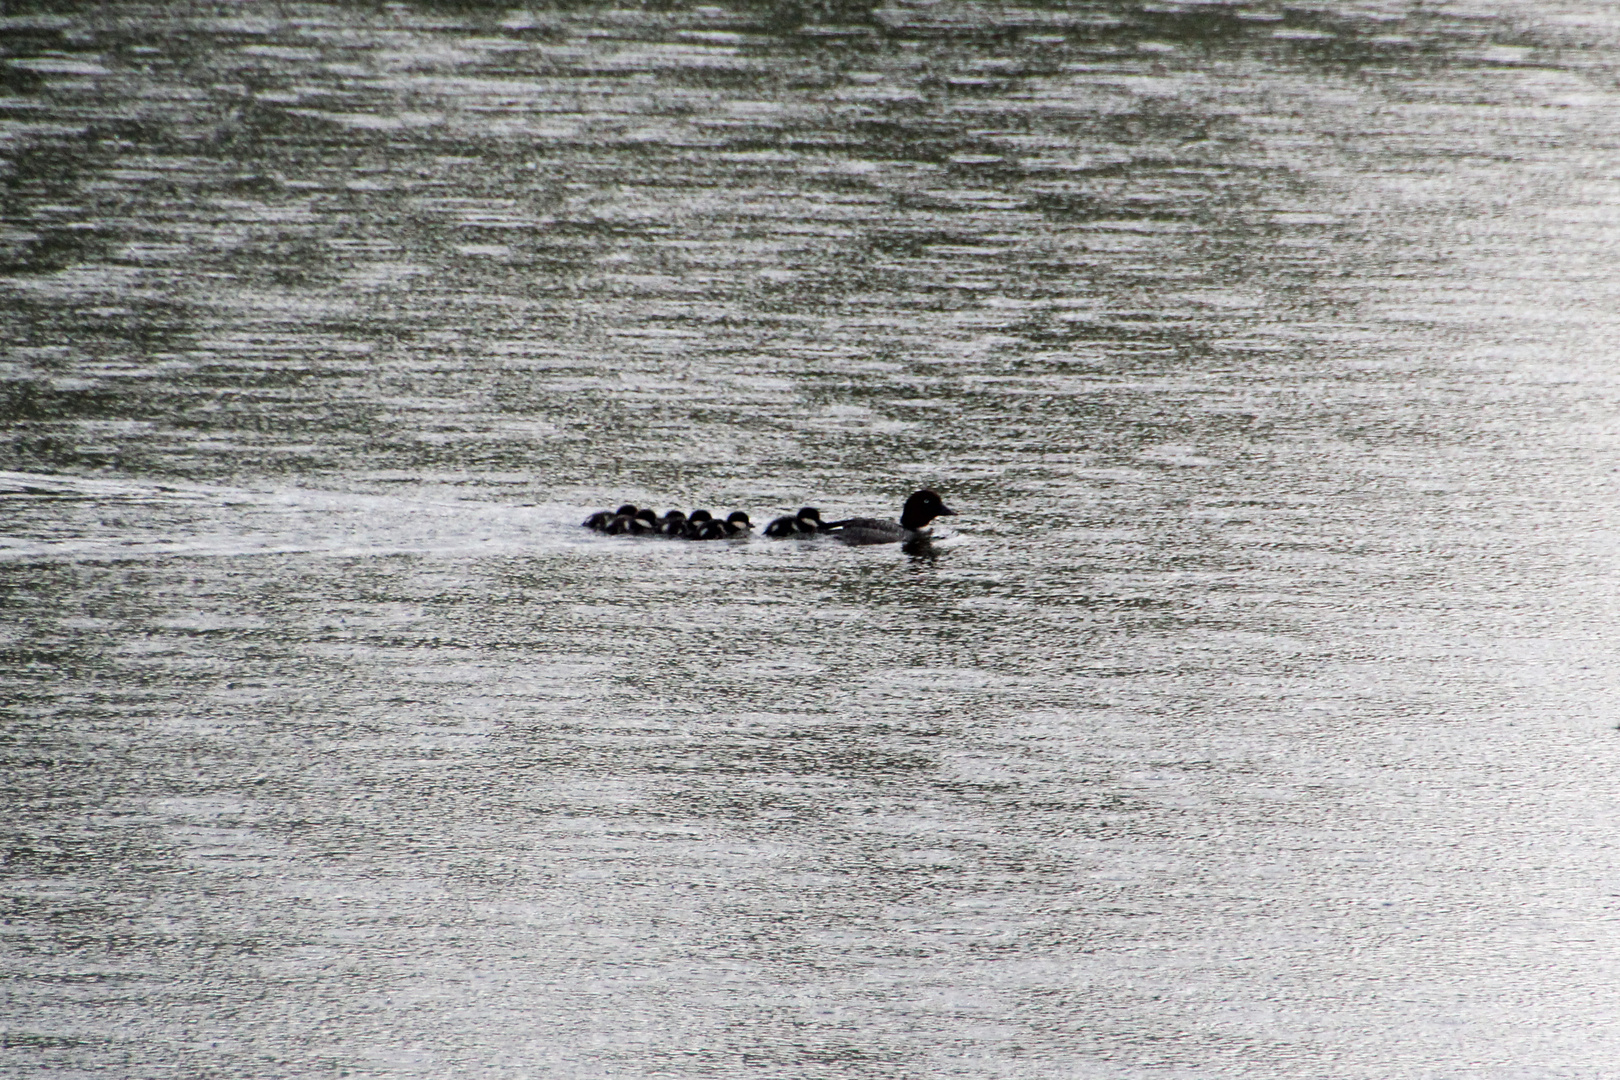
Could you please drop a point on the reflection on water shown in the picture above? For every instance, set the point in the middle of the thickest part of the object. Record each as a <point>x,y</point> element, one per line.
<point>1253,719</point>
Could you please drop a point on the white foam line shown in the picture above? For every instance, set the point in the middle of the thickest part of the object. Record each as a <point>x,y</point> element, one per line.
<point>47,485</point>
<point>290,520</point>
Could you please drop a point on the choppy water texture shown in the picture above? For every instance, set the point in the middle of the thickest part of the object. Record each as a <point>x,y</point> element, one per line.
<point>1255,718</point>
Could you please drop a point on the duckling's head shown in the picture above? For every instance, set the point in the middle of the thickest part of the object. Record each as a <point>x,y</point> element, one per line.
<point>737,521</point>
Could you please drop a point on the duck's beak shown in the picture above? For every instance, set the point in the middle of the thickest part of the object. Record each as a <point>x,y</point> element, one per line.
<point>945,511</point>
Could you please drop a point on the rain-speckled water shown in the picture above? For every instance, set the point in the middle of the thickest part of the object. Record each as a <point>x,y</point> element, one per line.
<point>1255,717</point>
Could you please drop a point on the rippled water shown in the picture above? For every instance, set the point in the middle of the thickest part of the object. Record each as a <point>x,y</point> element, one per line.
<point>1255,718</point>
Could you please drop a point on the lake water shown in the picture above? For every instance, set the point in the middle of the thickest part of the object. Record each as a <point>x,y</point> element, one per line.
<point>1256,717</point>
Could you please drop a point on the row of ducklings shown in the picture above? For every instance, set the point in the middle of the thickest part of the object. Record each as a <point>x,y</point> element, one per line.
<point>630,520</point>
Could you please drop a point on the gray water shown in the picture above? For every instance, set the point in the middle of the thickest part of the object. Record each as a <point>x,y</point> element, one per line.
<point>1256,717</point>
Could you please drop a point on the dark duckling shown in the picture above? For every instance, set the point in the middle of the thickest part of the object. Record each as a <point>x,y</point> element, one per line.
<point>921,508</point>
<point>599,521</point>
<point>807,522</point>
<point>695,522</point>
<point>639,523</point>
<point>711,529</point>
<point>673,524</point>
<point>737,524</point>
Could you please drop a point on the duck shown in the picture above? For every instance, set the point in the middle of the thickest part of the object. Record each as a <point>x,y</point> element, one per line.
<point>695,522</point>
<point>637,523</point>
<point>712,529</point>
<point>806,522</point>
<point>737,524</point>
<point>921,508</point>
<point>673,523</point>
<point>599,521</point>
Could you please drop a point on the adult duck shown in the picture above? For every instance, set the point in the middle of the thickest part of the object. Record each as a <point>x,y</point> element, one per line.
<point>920,509</point>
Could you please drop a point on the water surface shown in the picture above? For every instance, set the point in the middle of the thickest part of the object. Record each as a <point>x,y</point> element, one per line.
<point>1255,718</point>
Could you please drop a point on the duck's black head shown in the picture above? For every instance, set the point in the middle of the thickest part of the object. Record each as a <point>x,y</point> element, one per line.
<point>699,516</point>
<point>648,515</point>
<point>810,514</point>
<point>627,510</point>
<point>739,518</point>
<point>924,506</point>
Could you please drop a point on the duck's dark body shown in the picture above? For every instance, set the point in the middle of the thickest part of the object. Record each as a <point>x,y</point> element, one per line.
<point>920,509</point>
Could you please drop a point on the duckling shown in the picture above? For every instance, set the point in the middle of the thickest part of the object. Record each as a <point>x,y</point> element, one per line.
<point>807,522</point>
<point>737,524</point>
<point>712,529</point>
<point>599,521</point>
<point>672,524</point>
<point>695,521</point>
<point>810,520</point>
<point>921,508</point>
<point>644,522</point>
